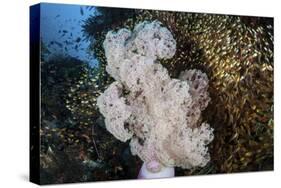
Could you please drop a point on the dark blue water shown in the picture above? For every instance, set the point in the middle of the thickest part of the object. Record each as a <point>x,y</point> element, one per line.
<point>61,30</point>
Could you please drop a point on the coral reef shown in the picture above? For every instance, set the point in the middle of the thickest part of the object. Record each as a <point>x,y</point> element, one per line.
<point>75,146</point>
<point>236,52</point>
<point>160,115</point>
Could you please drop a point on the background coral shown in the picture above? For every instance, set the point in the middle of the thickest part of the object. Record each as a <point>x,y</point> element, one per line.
<point>73,148</point>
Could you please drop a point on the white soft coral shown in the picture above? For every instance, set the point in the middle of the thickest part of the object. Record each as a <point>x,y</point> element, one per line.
<point>161,115</point>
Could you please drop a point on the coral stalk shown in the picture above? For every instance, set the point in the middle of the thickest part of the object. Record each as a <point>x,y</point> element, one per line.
<point>154,170</point>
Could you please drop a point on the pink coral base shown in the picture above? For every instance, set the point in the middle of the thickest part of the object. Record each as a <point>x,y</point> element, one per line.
<point>156,171</point>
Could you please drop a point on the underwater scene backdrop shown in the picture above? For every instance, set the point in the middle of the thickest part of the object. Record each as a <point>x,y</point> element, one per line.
<point>235,52</point>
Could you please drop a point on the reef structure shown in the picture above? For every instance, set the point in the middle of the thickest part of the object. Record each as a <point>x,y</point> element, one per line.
<point>160,115</point>
<point>236,53</point>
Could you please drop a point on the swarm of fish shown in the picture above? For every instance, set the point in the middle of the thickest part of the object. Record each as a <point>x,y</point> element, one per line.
<point>68,87</point>
<point>236,53</point>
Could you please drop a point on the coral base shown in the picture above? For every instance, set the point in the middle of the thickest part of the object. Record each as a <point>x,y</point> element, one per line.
<point>164,172</point>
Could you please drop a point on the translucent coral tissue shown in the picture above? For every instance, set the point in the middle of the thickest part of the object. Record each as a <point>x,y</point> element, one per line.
<point>161,115</point>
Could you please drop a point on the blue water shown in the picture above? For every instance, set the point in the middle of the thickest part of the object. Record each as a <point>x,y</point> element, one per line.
<point>61,30</point>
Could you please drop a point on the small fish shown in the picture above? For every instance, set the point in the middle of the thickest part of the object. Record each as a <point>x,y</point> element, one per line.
<point>78,40</point>
<point>81,11</point>
<point>76,47</point>
<point>58,44</point>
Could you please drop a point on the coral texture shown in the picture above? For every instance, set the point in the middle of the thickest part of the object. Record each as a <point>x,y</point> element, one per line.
<point>161,115</point>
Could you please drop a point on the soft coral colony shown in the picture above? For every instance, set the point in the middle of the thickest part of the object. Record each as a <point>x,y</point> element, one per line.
<point>160,115</point>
